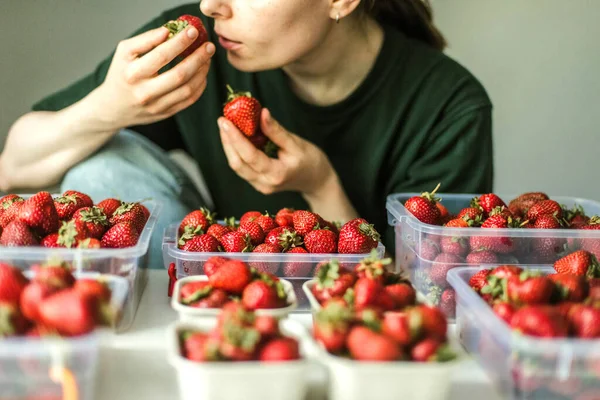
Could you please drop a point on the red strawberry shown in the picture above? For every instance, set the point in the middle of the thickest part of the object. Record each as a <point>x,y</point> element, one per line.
<point>457,223</point>
<point>121,235</point>
<point>572,287</point>
<point>93,288</point>
<point>212,264</point>
<point>592,245</point>
<point>266,266</point>
<point>297,250</point>
<point>249,216</point>
<point>497,244</point>
<point>181,23</point>
<point>239,343</point>
<point>33,295</point>
<point>431,350</point>
<point>132,213</point>
<point>426,321</point>
<point>357,237</point>
<point>71,201</point>
<point>502,210</point>
<point>546,221</point>
<point>218,231</point>
<point>504,310</point>
<point>320,241</point>
<point>217,298</point>
<point>243,111</point>
<point>237,242</point>
<point>266,222</point>
<point>471,213</point>
<point>479,280</point>
<point>367,292</point>
<point>197,220</point>
<point>580,263</point>
<point>191,292</point>
<point>443,211</point>
<point>109,206</point>
<point>529,288</point>
<point>331,326</point>
<point>395,325</point>
<point>9,208</point>
<point>367,345</point>
<point>540,321</point>
<point>585,321</point>
<point>448,303</point>
<point>89,243</point>
<point>232,276</point>
<point>440,267</point>
<point>12,322</point>
<point>71,232</point>
<point>279,349</point>
<point>51,241</point>
<point>456,245</point>
<point>200,347</point>
<point>429,249</point>
<point>403,294</point>
<point>261,294</point>
<point>95,220</point>
<point>267,325</point>
<point>58,275</point>
<point>506,271</point>
<point>544,207</point>
<point>17,233</point>
<point>69,312</point>
<point>39,213</point>
<point>12,283</point>
<point>332,280</point>
<point>487,202</point>
<point>480,257</point>
<point>372,267</point>
<point>284,217</point>
<point>296,269</point>
<point>424,207</point>
<point>202,243</point>
<point>284,237</point>
<point>257,236</point>
<point>304,221</point>
<point>266,248</point>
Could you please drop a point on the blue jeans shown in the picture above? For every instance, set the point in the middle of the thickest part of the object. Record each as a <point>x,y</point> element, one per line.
<point>130,167</point>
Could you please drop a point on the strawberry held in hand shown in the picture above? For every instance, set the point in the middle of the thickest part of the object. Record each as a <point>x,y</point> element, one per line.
<point>243,111</point>
<point>181,23</point>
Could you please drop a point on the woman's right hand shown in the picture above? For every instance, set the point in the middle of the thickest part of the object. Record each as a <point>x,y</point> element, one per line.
<point>133,93</point>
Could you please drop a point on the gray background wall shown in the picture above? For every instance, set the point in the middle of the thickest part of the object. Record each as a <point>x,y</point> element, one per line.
<point>539,60</point>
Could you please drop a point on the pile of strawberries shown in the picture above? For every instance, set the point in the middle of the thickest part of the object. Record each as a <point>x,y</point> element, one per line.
<point>71,221</point>
<point>53,302</point>
<point>288,231</point>
<point>565,303</point>
<point>240,335</point>
<point>369,285</point>
<point>418,333</point>
<point>230,279</point>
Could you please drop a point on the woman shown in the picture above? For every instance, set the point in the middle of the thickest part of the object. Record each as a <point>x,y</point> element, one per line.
<point>358,96</point>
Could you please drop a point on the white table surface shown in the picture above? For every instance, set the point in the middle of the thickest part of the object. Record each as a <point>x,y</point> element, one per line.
<point>133,364</point>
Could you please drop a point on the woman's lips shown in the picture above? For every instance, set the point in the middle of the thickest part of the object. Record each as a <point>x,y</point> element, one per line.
<point>229,44</point>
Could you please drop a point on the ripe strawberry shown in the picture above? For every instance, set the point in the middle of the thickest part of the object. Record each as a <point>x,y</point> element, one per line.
<point>12,322</point>
<point>33,295</point>
<point>232,276</point>
<point>571,287</point>
<point>71,232</point>
<point>95,220</point>
<point>239,343</point>
<point>540,321</point>
<point>506,271</point>
<point>284,217</point>
<point>321,241</point>
<point>464,222</point>
<point>395,325</point>
<point>357,237</point>
<point>331,326</point>
<point>109,206</point>
<point>12,283</point>
<point>284,237</point>
<point>592,245</point>
<point>9,208</point>
<point>193,292</point>
<point>479,280</point>
<point>472,213</point>
<point>257,236</point>
<point>266,222</point>
<point>122,234</point>
<point>266,266</point>
<point>243,111</point>
<point>181,23</point>
<point>202,243</point>
<point>504,310</point>
<point>197,220</point>
<point>93,288</point>
<point>200,347</point>
<point>424,207</point>
<point>212,264</point>
<point>39,213</point>
<point>544,207</point>
<point>16,234</point>
<point>580,263</point>
<point>71,201</point>
<point>426,321</point>
<point>266,248</point>
<point>480,257</point>
<point>51,241</point>
<point>440,267</point>
<point>89,243</point>
<point>529,288</point>
<point>132,213</point>
<point>218,231</point>
<point>448,303</point>
<point>367,345</point>
<point>456,245</point>
<point>431,350</point>
<point>263,294</point>
<point>372,267</point>
<point>304,221</point>
<point>279,349</point>
<point>585,321</point>
<point>237,242</point>
<point>487,202</point>
<point>69,312</point>
<point>367,292</point>
<point>429,249</point>
<point>497,244</point>
<point>546,221</point>
<point>296,269</point>
<point>332,280</point>
<point>267,326</point>
<point>249,216</point>
<point>58,275</point>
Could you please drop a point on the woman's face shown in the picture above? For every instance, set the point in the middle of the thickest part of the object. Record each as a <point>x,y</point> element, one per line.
<point>268,34</point>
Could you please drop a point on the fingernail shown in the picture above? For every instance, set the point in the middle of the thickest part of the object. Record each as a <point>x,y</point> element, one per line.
<point>268,114</point>
<point>210,48</point>
<point>192,33</point>
<point>224,126</point>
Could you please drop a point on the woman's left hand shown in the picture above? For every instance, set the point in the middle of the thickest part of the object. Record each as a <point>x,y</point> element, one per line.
<point>301,166</point>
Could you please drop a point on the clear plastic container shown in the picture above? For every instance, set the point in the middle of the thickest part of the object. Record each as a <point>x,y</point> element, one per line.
<point>129,263</point>
<point>523,367</point>
<point>296,268</point>
<point>187,313</point>
<point>419,245</point>
<point>248,380</point>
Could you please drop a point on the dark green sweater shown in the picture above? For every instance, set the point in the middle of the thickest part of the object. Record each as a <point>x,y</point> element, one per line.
<point>418,118</point>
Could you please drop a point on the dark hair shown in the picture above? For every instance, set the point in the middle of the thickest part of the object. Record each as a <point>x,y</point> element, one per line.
<point>413,17</point>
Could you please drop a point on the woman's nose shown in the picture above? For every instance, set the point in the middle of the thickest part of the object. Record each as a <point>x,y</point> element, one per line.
<point>215,8</point>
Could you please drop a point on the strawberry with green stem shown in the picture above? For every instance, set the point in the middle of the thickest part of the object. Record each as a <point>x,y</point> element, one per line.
<point>120,235</point>
<point>357,236</point>
<point>39,213</point>
<point>487,202</point>
<point>197,221</point>
<point>243,111</point>
<point>180,24</point>
<point>9,208</point>
<point>18,234</point>
<point>580,262</point>
<point>132,213</point>
<point>424,207</point>
<point>95,220</point>
<point>71,201</point>
<point>331,326</point>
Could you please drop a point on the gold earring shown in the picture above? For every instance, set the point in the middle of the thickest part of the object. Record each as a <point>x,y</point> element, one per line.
<point>337,18</point>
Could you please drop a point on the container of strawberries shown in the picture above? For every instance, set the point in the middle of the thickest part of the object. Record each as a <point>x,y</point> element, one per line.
<point>49,323</point>
<point>108,236</point>
<point>240,355</point>
<point>535,330</point>
<point>288,244</point>
<point>436,232</point>
<point>203,296</point>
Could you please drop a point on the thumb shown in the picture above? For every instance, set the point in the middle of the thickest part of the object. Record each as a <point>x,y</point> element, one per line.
<point>274,131</point>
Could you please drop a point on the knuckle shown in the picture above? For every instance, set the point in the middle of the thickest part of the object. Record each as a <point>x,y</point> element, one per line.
<point>141,97</point>
<point>187,91</point>
<point>131,75</point>
<point>161,57</point>
<point>179,76</point>
<point>122,47</point>
<point>235,164</point>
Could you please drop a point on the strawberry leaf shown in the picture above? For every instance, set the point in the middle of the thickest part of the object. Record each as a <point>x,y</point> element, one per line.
<point>197,295</point>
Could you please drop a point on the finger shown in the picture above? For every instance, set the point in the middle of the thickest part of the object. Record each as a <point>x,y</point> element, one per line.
<point>256,159</point>
<point>133,47</point>
<point>233,158</point>
<point>190,90</point>
<point>271,128</point>
<point>163,54</point>
<point>184,104</point>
